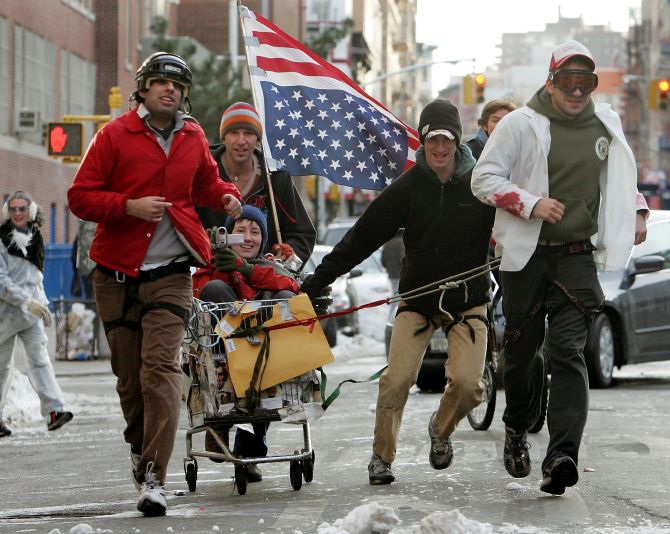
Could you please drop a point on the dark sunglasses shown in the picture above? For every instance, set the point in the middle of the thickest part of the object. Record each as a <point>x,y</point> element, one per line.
<point>568,80</point>
<point>18,209</point>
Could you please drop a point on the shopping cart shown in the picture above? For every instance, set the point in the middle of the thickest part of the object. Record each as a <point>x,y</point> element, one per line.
<point>216,401</point>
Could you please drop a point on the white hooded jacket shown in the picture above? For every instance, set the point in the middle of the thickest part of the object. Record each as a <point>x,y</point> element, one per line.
<point>512,175</point>
<point>20,280</point>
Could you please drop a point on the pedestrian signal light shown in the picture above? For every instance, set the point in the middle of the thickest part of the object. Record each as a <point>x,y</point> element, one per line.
<point>480,85</point>
<point>663,88</point>
<point>65,139</point>
<point>468,89</point>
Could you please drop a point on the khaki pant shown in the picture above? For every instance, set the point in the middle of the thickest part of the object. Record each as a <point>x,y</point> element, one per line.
<point>145,361</point>
<point>463,371</point>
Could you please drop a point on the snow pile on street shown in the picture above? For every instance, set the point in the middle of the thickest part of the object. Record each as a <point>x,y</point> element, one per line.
<point>454,522</point>
<point>366,519</point>
<point>356,347</point>
<point>374,518</point>
<point>81,528</point>
<point>22,404</point>
<point>372,321</point>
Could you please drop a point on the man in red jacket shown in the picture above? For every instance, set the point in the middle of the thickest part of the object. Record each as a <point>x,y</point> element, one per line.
<point>140,180</point>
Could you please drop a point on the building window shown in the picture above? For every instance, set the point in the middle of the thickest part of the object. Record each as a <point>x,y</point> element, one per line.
<point>34,66</point>
<point>4,76</point>
<point>77,82</point>
<point>128,30</point>
<point>77,89</point>
<point>85,7</point>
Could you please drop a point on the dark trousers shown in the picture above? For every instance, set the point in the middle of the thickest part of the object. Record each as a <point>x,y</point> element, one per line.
<point>564,344</point>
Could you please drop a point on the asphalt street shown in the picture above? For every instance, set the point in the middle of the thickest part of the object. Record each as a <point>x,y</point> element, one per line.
<point>80,474</point>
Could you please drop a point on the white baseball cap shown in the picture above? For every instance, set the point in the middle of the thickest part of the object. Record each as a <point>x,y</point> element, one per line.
<point>569,50</point>
<point>446,133</point>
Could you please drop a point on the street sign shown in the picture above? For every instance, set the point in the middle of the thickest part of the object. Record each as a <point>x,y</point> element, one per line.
<point>65,139</point>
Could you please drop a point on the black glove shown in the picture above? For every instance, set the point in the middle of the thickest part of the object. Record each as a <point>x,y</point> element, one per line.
<point>319,296</point>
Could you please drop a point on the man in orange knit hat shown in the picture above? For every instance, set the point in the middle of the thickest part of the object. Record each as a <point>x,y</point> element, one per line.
<point>240,162</point>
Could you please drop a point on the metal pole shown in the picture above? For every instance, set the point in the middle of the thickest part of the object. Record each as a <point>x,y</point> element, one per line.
<point>415,67</point>
<point>233,34</point>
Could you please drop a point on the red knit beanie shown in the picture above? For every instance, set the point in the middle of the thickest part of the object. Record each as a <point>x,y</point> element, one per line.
<point>241,115</point>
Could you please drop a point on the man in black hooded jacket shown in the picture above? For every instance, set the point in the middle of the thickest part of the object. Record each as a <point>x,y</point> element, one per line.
<point>446,233</point>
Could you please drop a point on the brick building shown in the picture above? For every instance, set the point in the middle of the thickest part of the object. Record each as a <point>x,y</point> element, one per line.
<point>59,57</point>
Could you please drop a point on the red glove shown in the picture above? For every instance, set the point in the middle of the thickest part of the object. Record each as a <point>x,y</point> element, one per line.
<point>282,250</point>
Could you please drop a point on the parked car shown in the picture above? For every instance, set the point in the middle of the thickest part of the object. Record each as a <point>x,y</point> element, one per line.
<point>366,282</point>
<point>336,229</point>
<point>634,326</point>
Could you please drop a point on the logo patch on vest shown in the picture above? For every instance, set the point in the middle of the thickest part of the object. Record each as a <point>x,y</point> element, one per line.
<point>602,148</point>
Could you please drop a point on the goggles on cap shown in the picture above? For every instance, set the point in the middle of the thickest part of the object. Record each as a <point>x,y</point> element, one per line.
<point>567,80</point>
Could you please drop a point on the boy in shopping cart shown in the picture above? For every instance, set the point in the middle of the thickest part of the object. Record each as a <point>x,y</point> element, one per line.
<point>240,272</point>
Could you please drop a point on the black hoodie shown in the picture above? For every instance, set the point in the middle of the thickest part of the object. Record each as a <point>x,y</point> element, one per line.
<point>447,232</point>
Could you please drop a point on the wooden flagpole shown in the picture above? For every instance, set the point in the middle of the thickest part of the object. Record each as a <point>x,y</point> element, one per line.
<point>273,207</point>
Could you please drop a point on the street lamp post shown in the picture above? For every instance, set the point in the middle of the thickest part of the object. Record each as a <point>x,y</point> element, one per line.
<point>417,66</point>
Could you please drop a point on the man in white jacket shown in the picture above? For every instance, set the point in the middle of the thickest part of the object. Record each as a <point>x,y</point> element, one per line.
<point>563,178</point>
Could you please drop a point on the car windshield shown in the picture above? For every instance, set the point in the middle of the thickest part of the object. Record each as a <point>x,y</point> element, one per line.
<point>336,230</point>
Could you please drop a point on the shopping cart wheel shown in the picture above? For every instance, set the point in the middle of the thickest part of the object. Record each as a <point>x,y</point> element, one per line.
<point>296,474</point>
<point>241,479</point>
<point>308,468</point>
<point>191,475</point>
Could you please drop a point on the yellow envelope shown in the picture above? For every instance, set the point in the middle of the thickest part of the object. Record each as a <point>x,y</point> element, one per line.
<point>293,350</point>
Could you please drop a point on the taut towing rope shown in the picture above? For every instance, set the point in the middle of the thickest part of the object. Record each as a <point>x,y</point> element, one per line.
<point>438,286</point>
<point>442,286</point>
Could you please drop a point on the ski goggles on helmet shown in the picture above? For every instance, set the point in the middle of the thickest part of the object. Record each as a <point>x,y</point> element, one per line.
<point>567,80</point>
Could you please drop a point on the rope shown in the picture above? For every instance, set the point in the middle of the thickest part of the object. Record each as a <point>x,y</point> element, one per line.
<point>428,289</point>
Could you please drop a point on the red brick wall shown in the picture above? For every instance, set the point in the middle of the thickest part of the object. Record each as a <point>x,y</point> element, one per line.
<point>207,20</point>
<point>22,165</point>
<point>54,21</point>
<point>107,54</point>
<point>47,182</point>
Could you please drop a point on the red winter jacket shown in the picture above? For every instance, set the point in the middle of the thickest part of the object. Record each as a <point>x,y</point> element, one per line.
<point>263,276</point>
<point>125,161</point>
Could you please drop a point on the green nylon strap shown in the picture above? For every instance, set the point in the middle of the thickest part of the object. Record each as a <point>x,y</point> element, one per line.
<point>253,393</point>
<point>328,400</point>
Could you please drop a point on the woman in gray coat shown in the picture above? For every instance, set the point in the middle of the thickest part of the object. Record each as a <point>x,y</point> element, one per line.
<point>23,307</point>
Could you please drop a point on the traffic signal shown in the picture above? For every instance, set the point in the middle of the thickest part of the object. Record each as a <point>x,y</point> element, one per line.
<point>65,139</point>
<point>480,85</point>
<point>468,89</point>
<point>652,93</point>
<point>663,88</point>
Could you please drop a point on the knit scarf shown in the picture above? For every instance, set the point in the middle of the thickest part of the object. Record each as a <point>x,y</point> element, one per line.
<point>33,252</point>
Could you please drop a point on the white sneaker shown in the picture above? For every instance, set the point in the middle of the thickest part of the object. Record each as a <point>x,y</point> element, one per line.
<point>152,495</point>
<point>135,474</point>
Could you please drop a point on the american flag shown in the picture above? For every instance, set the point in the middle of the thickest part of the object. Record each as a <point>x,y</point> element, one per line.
<point>316,120</point>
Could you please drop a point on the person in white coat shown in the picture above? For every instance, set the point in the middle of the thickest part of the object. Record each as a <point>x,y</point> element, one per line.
<point>23,308</point>
<point>563,180</point>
